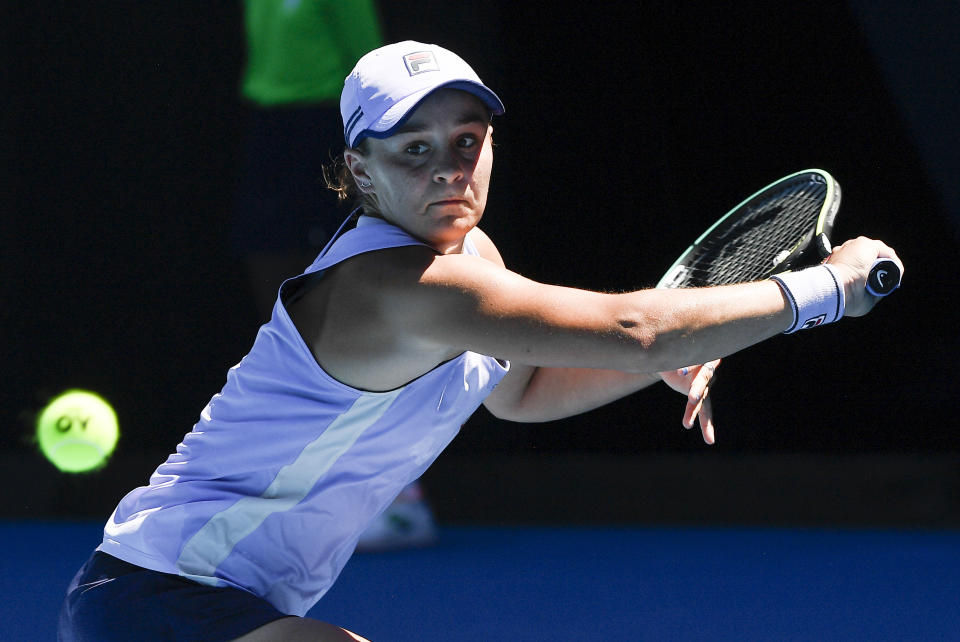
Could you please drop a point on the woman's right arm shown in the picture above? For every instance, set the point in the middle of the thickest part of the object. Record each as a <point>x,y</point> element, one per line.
<point>467,302</point>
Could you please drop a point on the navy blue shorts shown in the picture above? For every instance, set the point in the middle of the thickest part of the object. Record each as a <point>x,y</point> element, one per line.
<point>110,599</point>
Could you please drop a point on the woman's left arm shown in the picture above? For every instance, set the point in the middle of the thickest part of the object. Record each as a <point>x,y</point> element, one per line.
<point>533,394</point>
<point>536,394</point>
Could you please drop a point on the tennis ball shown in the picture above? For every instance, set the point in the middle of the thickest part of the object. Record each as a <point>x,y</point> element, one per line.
<point>77,431</point>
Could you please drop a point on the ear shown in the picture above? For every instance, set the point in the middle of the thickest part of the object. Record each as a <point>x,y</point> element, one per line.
<point>357,164</point>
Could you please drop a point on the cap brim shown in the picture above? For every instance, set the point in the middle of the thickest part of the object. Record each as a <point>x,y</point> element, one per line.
<point>399,112</point>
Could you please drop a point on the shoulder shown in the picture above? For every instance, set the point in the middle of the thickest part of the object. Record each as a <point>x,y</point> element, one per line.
<point>485,246</point>
<point>397,271</point>
<point>417,292</point>
<point>412,292</point>
<point>406,284</point>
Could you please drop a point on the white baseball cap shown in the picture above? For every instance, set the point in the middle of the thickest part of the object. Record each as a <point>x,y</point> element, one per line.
<point>389,82</point>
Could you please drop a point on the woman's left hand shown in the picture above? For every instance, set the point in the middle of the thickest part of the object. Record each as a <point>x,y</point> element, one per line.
<point>694,382</point>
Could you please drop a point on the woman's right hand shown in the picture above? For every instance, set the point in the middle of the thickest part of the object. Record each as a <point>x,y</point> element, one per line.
<point>853,259</point>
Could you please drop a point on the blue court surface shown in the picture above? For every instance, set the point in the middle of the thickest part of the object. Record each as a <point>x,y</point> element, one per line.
<point>571,583</point>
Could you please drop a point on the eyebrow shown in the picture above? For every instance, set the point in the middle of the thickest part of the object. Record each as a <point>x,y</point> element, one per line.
<point>413,126</point>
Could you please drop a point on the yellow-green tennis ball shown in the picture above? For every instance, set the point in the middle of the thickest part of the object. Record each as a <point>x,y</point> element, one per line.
<point>77,431</point>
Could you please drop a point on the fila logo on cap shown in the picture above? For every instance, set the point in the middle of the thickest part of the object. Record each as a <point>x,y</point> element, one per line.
<point>421,61</point>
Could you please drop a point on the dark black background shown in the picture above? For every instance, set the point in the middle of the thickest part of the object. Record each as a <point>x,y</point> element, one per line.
<point>628,130</point>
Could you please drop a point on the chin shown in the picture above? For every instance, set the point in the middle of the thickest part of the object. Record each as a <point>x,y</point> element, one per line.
<point>451,229</point>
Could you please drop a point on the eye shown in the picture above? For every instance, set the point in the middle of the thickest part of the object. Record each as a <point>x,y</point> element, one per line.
<point>416,149</point>
<point>467,141</point>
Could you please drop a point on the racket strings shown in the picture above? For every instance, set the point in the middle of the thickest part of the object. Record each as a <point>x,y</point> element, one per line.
<point>755,245</point>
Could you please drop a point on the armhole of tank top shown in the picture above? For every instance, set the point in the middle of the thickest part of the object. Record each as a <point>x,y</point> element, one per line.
<point>295,288</point>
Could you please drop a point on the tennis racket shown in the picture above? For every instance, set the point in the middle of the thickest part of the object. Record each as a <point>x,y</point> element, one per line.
<point>783,227</point>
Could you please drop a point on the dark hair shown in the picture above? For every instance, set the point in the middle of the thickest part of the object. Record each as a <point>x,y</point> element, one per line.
<point>338,178</point>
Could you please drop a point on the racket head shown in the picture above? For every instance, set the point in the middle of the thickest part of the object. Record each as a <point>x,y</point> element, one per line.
<point>769,232</point>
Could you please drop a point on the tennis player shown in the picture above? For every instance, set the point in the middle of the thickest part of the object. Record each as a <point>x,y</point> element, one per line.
<point>374,358</point>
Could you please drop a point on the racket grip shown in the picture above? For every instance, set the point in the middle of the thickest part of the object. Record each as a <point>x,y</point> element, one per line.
<point>884,277</point>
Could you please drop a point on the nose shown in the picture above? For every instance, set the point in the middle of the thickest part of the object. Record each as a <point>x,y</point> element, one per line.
<point>449,168</point>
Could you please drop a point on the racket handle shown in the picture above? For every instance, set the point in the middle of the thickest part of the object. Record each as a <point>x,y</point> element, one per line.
<point>884,277</point>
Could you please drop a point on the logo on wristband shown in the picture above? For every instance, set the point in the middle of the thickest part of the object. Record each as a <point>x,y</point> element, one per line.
<point>814,322</point>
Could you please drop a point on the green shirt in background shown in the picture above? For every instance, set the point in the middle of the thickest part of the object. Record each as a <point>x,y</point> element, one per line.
<point>299,51</point>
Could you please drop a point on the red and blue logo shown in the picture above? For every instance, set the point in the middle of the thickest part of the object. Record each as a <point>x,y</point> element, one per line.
<point>814,322</point>
<point>421,61</point>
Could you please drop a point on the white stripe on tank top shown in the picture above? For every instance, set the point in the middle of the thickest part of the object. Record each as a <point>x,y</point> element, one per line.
<point>213,543</point>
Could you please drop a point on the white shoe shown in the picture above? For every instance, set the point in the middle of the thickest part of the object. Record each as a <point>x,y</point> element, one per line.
<point>407,523</point>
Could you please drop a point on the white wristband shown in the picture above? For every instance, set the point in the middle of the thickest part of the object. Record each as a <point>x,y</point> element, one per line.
<point>815,295</point>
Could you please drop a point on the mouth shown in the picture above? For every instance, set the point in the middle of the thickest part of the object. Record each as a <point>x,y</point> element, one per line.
<point>450,202</point>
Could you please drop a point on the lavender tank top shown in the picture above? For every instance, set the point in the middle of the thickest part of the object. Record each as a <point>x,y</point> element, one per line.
<point>286,466</point>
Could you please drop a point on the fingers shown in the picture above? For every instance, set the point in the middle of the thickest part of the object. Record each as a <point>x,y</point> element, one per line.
<point>861,252</point>
<point>706,422</point>
<point>700,383</point>
<point>855,258</point>
<point>702,410</point>
<point>698,403</point>
<point>695,381</point>
<point>691,411</point>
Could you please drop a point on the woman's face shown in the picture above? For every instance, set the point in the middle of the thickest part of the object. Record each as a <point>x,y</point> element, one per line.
<point>431,177</point>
